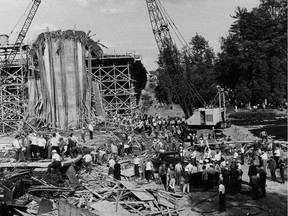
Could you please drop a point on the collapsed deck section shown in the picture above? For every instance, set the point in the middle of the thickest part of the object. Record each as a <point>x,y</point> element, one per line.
<point>65,81</point>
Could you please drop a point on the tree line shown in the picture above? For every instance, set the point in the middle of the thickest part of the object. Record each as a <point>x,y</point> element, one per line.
<point>251,66</point>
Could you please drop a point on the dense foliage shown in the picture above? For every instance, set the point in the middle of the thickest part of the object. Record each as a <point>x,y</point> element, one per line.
<point>253,61</point>
<point>252,64</point>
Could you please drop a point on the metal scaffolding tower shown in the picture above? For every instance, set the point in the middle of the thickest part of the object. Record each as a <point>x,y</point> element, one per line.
<point>115,85</point>
<point>13,90</point>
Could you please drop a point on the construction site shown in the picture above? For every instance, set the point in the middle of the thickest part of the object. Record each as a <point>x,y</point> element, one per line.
<point>75,138</point>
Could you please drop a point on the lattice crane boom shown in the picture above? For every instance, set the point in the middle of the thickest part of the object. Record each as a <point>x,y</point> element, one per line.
<point>159,25</point>
<point>23,32</point>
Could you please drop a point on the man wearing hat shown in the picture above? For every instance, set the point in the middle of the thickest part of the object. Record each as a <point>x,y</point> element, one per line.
<point>56,162</point>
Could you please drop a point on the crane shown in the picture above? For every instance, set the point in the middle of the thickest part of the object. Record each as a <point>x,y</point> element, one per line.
<point>160,23</point>
<point>9,60</point>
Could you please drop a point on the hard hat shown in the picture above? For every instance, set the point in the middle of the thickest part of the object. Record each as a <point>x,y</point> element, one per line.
<point>54,151</point>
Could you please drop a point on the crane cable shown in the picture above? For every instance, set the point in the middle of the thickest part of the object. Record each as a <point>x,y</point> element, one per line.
<point>29,5</point>
<point>183,43</point>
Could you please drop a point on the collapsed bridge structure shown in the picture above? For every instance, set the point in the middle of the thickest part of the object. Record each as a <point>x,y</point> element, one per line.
<point>64,80</point>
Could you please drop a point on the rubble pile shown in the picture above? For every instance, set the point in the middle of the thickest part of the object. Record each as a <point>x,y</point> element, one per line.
<point>238,133</point>
<point>32,190</point>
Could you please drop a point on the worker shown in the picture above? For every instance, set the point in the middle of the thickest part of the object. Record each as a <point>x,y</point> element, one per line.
<point>186,185</point>
<point>117,170</point>
<point>282,169</point>
<point>18,148</point>
<point>163,174</point>
<point>83,134</point>
<point>178,171</point>
<point>149,170</point>
<point>205,178</point>
<point>41,143</point>
<point>262,181</point>
<point>56,162</point>
<point>34,147</point>
<point>87,161</point>
<point>272,166</point>
<point>252,171</point>
<point>136,166</point>
<point>222,197</point>
<point>72,145</point>
<point>54,143</point>
<point>91,129</point>
<point>111,164</point>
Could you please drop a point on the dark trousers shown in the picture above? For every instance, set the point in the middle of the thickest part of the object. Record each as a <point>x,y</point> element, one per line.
<point>255,191</point>
<point>206,185</point>
<point>263,190</point>
<point>41,151</point>
<point>136,170</point>
<point>222,202</point>
<point>55,165</point>
<point>34,150</point>
<point>178,178</point>
<point>194,180</point>
<point>91,134</point>
<point>19,155</point>
<point>277,161</point>
<point>149,174</point>
<point>216,178</point>
<point>164,180</point>
<point>242,159</point>
<point>211,180</point>
<point>273,176</point>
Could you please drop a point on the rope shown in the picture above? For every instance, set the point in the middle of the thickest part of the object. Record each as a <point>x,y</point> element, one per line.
<point>21,18</point>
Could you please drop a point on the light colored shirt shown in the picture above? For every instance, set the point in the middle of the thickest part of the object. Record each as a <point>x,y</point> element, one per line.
<point>16,144</point>
<point>264,156</point>
<point>114,149</point>
<point>87,158</point>
<point>235,155</point>
<point>111,163</point>
<point>90,127</point>
<point>33,140</point>
<point>189,167</point>
<point>54,141</point>
<point>136,160</point>
<point>221,189</point>
<point>178,167</point>
<point>149,165</point>
<point>56,157</point>
<point>41,142</point>
<point>217,157</point>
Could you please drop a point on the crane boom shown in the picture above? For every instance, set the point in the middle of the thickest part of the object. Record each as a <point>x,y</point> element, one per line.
<point>22,33</point>
<point>159,25</point>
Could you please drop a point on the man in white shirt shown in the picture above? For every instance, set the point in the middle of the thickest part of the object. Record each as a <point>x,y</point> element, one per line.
<point>56,162</point>
<point>111,163</point>
<point>41,143</point>
<point>33,145</point>
<point>54,141</point>
<point>136,166</point>
<point>18,148</point>
<point>91,129</point>
<point>222,198</point>
<point>149,170</point>
<point>87,161</point>
<point>264,158</point>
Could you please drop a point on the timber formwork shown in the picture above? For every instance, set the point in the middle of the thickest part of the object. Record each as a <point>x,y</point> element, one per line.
<point>13,90</point>
<point>113,74</point>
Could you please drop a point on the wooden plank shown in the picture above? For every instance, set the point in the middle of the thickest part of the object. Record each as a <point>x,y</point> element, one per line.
<point>134,209</point>
<point>141,194</point>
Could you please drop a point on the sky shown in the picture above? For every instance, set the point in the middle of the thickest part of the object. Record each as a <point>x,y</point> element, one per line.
<point>123,25</point>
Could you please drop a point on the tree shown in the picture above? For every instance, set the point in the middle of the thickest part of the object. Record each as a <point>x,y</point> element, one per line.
<point>185,77</point>
<point>253,61</point>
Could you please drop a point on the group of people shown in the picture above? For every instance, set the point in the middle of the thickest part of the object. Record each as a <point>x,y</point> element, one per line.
<point>36,146</point>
